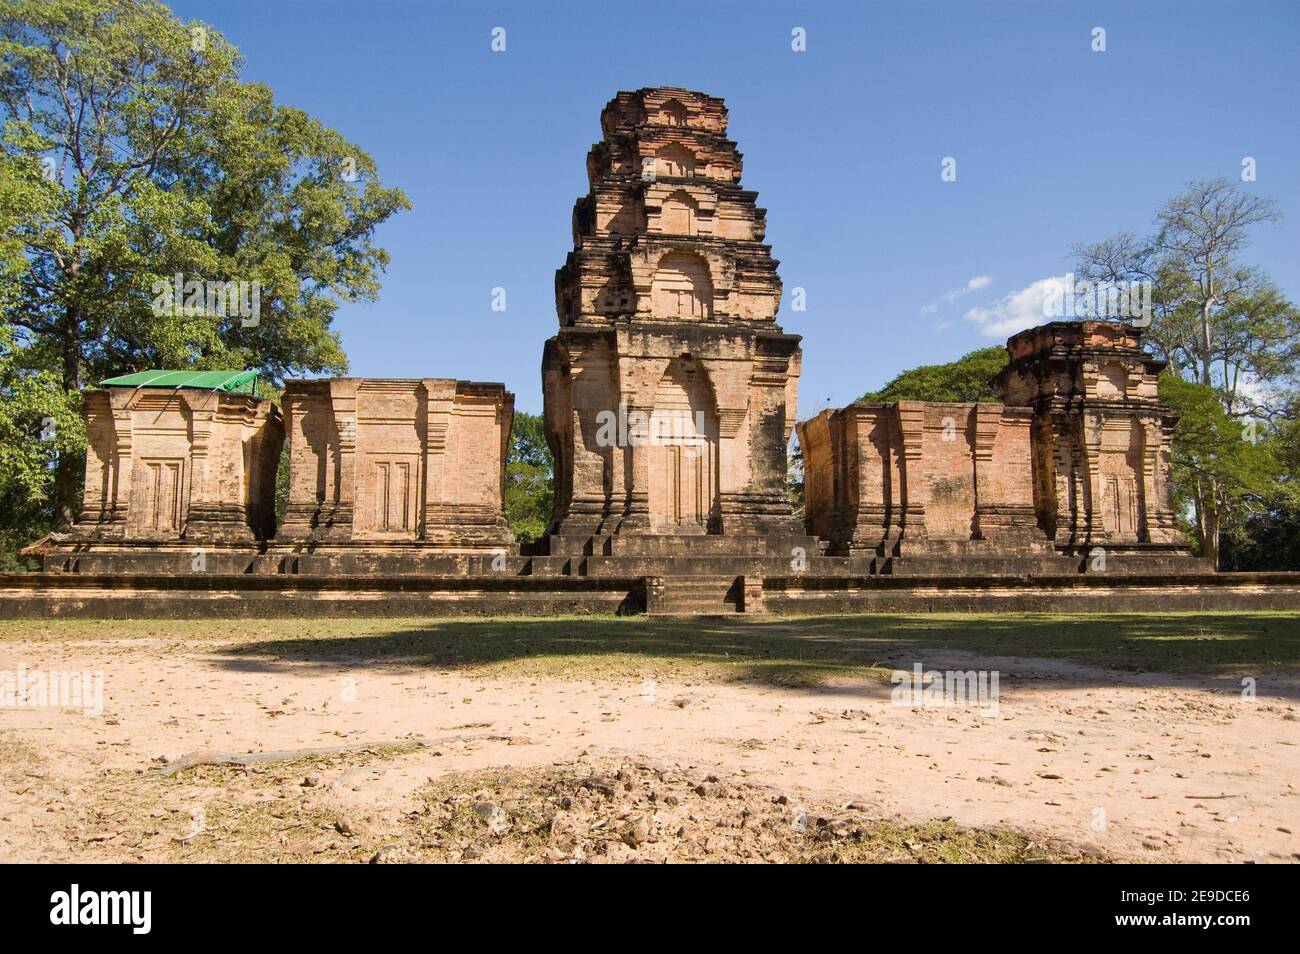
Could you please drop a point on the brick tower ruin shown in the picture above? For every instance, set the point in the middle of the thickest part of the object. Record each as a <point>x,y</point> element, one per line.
<point>1101,435</point>
<point>670,390</point>
<point>1072,463</point>
<point>178,477</point>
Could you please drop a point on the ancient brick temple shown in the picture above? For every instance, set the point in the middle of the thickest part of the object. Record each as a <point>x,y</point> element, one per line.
<point>667,310</point>
<point>172,470</point>
<point>384,464</point>
<point>1075,459</point>
<point>1101,436</point>
<point>670,396</point>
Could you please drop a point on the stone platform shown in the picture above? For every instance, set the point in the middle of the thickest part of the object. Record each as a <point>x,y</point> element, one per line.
<point>518,591</point>
<point>223,596</point>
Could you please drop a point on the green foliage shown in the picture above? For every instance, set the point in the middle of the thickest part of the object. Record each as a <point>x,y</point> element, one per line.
<point>131,152</point>
<point>1222,324</point>
<point>39,422</point>
<point>530,478</point>
<point>1222,469</point>
<point>969,378</point>
<point>794,480</point>
<point>1268,538</point>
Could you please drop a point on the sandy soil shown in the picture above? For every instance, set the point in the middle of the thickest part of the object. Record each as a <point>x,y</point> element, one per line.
<point>1143,766</point>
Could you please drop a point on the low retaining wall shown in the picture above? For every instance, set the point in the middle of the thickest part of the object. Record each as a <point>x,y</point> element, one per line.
<point>1095,593</point>
<point>80,596</point>
<point>203,596</point>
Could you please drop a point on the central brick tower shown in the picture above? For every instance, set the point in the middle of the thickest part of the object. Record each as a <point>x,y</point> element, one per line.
<point>670,389</point>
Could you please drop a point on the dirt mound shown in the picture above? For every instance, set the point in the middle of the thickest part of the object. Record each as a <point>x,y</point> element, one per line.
<point>644,813</point>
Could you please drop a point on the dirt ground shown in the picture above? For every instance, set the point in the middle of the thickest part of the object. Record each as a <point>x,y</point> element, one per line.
<point>605,740</point>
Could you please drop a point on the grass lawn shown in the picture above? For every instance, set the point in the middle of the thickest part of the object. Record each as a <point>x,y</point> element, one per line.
<point>782,650</point>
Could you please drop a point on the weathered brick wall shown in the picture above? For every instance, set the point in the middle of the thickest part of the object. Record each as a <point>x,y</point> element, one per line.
<point>930,474</point>
<point>818,476</point>
<point>1011,476</point>
<point>386,460</point>
<point>669,281</point>
<point>948,471</point>
<point>173,464</point>
<point>1079,456</point>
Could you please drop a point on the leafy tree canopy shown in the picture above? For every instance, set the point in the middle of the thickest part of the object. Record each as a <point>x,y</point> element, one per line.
<point>530,478</point>
<point>969,378</point>
<point>131,152</point>
<point>1222,469</point>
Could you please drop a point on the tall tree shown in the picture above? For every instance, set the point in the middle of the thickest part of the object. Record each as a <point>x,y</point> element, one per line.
<point>1225,328</point>
<point>1216,320</point>
<point>1268,537</point>
<point>1223,470</point>
<point>142,156</point>
<point>1202,232</point>
<point>37,421</point>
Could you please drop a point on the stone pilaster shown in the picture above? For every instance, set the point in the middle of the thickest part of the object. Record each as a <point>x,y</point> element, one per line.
<point>343,403</point>
<point>123,468</point>
<point>915,487</point>
<point>439,400</point>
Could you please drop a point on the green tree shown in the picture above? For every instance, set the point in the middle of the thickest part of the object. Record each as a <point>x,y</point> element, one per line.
<point>969,378</point>
<point>1268,538</point>
<point>37,420</point>
<point>139,155</point>
<point>794,479</point>
<point>38,423</point>
<point>530,478</point>
<point>1221,324</point>
<point>1217,320</point>
<point>1223,471</point>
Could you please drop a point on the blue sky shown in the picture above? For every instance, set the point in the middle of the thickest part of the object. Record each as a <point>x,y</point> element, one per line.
<point>1055,144</point>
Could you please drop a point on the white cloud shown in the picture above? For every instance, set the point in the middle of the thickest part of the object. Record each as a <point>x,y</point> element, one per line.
<point>1019,310</point>
<point>975,284</point>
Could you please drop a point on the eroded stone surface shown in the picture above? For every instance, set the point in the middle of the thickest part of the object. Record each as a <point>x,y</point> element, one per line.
<point>387,463</point>
<point>175,478</point>
<point>667,309</point>
<point>1075,461</point>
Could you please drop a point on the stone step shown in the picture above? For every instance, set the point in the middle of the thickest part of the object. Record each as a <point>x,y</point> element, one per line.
<point>961,566</point>
<point>699,608</point>
<point>711,545</point>
<point>700,595</point>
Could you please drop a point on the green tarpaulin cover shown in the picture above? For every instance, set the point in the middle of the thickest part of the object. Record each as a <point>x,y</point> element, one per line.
<point>242,382</point>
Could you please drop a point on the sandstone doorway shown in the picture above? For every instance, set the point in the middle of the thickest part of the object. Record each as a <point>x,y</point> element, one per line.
<point>682,455</point>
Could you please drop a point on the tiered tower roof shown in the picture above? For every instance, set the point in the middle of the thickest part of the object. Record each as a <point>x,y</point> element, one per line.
<point>666,233</point>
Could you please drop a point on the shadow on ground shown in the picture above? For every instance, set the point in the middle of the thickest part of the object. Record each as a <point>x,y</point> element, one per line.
<point>803,651</point>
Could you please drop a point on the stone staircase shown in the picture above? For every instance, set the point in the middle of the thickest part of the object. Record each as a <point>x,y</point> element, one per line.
<point>697,596</point>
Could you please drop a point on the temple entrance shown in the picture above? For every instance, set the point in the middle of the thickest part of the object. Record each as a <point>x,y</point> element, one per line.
<point>683,451</point>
